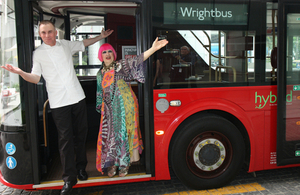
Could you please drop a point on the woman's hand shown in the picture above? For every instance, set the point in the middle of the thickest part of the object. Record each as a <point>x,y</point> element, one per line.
<point>156,45</point>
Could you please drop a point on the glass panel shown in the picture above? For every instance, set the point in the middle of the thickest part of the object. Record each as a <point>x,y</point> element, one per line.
<point>293,77</point>
<point>79,31</point>
<point>79,58</point>
<point>87,58</point>
<point>10,109</point>
<point>271,42</point>
<point>205,56</point>
<point>37,38</point>
<point>92,72</point>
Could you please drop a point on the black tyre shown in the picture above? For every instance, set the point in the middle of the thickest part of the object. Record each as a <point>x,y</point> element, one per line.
<point>208,152</point>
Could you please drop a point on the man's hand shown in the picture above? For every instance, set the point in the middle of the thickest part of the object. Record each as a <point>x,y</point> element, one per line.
<point>12,69</point>
<point>32,78</point>
<point>106,33</point>
<point>103,35</point>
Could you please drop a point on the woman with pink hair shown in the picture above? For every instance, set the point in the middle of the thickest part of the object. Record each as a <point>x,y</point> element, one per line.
<point>119,139</point>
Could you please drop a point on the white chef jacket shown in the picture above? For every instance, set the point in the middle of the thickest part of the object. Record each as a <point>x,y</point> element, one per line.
<point>55,64</point>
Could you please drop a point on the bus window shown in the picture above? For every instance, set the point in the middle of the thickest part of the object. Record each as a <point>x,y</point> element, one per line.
<point>36,19</point>
<point>10,108</point>
<point>293,48</point>
<point>87,63</point>
<point>292,76</point>
<point>205,57</point>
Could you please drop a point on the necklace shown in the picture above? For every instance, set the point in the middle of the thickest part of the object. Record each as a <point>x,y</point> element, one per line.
<point>105,69</point>
<point>109,67</point>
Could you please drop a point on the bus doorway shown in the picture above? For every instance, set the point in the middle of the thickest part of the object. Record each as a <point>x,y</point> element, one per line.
<point>288,115</point>
<point>77,22</point>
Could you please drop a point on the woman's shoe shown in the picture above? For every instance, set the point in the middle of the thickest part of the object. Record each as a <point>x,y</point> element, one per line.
<point>123,171</point>
<point>111,171</point>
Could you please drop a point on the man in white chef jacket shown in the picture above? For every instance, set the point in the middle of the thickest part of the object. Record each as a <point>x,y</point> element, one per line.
<point>53,60</point>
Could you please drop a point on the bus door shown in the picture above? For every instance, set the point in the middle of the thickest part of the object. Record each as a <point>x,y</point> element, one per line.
<point>78,24</point>
<point>288,109</point>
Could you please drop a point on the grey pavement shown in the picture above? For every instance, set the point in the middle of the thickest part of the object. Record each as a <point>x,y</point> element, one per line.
<point>277,182</point>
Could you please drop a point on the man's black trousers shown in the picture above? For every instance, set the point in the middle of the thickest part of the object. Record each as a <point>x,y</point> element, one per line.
<point>71,124</point>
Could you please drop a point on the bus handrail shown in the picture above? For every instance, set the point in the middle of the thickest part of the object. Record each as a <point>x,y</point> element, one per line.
<point>225,67</point>
<point>44,122</point>
<point>213,55</point>
<point>208,50</point>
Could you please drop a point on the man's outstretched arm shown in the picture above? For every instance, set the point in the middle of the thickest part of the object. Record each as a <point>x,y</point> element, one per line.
<point>32,78</point>
<point>91,41</point>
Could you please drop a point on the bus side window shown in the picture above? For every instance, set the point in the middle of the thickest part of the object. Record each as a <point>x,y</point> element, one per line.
<point>206,57</point>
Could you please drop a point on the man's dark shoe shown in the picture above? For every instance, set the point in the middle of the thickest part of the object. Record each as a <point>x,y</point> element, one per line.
<point>82,175</point>
<point>67,188</point>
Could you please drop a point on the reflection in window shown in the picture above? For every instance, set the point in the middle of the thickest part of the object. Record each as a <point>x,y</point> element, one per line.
<point>205,56</point>
<point>37,39</point>
<point>88,58</point>
<point>87,63</point>
<point>293,49</point>
<point>271,43</point>
<point>10,109</point>
<point>292,55</point>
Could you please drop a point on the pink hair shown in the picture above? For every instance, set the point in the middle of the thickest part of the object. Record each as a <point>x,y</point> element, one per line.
<point>106,46</point>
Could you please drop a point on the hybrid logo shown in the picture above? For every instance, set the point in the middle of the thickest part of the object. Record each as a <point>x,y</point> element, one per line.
<point>261,101</point>
<point>202,14</point>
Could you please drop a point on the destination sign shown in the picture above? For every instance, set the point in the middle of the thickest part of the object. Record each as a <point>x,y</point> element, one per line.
<point>205,13</point>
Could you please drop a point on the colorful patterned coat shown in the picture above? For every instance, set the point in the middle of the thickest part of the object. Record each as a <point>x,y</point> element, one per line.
<point>119,140</point>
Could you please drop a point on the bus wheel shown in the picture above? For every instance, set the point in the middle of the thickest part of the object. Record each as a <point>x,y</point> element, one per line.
<point>208,152</point>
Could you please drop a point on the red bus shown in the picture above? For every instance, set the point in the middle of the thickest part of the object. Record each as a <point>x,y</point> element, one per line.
<point>225,91</point>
